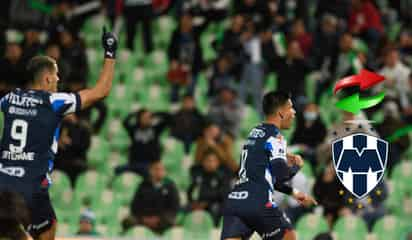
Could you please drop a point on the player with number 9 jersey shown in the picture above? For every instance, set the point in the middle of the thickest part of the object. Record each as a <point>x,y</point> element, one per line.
<point>32,118</point>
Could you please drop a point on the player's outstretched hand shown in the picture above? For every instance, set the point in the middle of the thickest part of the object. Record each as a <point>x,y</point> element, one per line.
<point>109,42</point>
<point>304,199</point>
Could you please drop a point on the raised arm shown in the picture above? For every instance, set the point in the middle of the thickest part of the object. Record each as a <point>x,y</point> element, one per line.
<point>103,86</point>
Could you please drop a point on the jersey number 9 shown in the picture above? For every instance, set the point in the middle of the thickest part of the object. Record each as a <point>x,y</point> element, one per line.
<point>18,133</point>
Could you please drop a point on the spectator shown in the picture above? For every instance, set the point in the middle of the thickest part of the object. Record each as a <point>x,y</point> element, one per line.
<point>365,22</point>
<point>292,71</point>
<point>232,44</point>
<point>372,206</point>
<point>185,56</point>
<point>219,142</point>
<point>405,46</point>
<point>251,82</point>
<point>207,11</point>
<point>136,11</point>
<point>347,60</point>
<point>226,111</point>
<point>396,75</point>
<point>406,101</point>
<point>144,130</point>
<point>31,44</point>
<point>87,224</point>
<point>324,52</point>
<point>187,123</point>
<point>298,33</point>
<point>74,142</point>
<point>273,18</point>
<point>156,201</point>
<point>326,191</point>
<point>221,74</point>
<point>310,132</point>
<point>251,8</point>
<point>337,8</point>
<point>11,68</point>
<point>209,186</point>
<point>294,9</point>
<point>392,121</point>
<point>74,53</point>
<point>326,42</point>
<point>53,50</point>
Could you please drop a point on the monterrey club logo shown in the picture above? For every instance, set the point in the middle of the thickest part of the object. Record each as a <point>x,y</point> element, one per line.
<point>360,161</point>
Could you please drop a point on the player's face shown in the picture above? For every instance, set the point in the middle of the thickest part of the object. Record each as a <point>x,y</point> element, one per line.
<point>52,79</point>
<point>287,113</point>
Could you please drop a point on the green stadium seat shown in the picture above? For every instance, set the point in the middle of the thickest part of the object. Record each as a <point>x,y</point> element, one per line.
<point>89,185</point>
<point>143,233</point>
<point>125,186</point>
<point>310,225</point>
<point>198,225</point>
<point>65,229</point>
<point>175,233</point>
<point>249,120</point>
<point>271,83</point>
<point>388,227</point>
<point>350,227</point>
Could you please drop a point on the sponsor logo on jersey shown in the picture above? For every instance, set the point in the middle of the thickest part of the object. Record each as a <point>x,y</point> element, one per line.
<point>239,195</point>
<point>23,101</point>
<point>12,171</point>
<point>22,111</point>
<point>257,133</point>
<point>25,156</point>
<point>360,162</point>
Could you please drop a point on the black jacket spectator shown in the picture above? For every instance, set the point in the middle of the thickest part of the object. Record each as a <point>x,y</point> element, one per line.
<point>144,132</point>
<point>291,71</point>
<point>11,68</point>
<point>156,201</point>
<point>73,146</point>
<point>74,53</point>
<point>187,124</point>
<point>209,186</point>
<point>185,47</point>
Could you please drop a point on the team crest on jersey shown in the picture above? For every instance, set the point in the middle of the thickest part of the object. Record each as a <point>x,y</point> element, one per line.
<point>360,162</point>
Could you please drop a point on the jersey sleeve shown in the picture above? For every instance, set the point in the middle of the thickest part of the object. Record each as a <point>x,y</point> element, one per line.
<point>3,102</point>
<point>276,148</point>
<point>65,103</point>
<point>281,172</point>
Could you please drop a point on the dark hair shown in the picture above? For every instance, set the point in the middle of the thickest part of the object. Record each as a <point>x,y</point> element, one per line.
<point>273,100</point>
<point>37,65</point>
<point>13,215</point>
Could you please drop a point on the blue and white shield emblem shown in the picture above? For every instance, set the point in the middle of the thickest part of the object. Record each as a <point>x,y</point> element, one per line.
<point>360,162</point>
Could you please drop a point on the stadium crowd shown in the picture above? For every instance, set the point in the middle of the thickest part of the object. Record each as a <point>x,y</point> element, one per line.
<point>218,59</point>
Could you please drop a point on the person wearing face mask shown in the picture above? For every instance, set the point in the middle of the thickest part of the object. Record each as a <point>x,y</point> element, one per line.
<point>310,132</point>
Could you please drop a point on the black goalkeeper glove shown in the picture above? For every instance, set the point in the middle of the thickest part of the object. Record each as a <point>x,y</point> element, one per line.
<point>109,42</point>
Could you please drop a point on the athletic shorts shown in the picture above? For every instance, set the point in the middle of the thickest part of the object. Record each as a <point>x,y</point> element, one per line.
<point>243,217</point>
<point>42,215</point>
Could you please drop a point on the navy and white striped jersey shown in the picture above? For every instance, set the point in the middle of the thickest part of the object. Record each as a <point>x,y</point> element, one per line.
<point>31,132</point>
<point>264,163</point>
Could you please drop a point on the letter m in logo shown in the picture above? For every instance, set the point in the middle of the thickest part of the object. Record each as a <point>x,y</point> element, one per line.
<point>360,162</point>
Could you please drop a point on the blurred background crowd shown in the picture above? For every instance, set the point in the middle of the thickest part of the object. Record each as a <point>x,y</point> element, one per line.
<point>162,151</point>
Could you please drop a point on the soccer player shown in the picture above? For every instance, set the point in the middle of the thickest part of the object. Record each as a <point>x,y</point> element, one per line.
<point>265,167</point>
<point>32,119</point>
